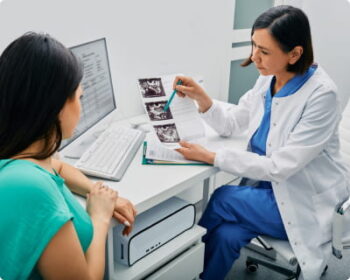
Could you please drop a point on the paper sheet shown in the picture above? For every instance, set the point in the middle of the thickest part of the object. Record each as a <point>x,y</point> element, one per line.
<point>156,151</point>
<point>180,122</point>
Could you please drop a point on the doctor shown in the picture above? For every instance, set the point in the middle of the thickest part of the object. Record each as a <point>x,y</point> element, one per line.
<point>295,172</point>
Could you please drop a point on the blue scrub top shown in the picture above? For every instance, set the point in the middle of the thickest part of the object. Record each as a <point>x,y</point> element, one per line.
<point>258,140</point>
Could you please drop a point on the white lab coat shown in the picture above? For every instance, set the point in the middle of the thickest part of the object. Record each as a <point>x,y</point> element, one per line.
<point>302,160</point>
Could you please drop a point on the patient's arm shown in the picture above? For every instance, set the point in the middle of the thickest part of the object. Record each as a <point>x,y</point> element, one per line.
<point>80,184</point>
<point>74,178</point>
<point>63,258</point>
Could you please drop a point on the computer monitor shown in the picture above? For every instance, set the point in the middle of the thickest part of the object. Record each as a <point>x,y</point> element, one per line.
<point>98,100</point>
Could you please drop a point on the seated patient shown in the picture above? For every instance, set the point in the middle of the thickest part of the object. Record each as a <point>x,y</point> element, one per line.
<point>44,231</point>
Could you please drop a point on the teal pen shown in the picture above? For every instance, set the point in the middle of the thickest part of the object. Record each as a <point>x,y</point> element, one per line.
<point>166,107</point>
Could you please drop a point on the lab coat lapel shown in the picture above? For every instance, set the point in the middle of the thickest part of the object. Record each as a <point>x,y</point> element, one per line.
<point>258,112</point>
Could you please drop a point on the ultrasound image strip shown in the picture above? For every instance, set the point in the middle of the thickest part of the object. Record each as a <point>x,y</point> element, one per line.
<point>156,112</point>
<point>167,133</point>
<point>151,88</point>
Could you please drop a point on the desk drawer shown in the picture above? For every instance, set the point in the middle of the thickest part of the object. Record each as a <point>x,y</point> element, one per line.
<point>186,266</point>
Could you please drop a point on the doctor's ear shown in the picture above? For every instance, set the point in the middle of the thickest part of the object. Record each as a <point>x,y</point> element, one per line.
<point>295,54</point>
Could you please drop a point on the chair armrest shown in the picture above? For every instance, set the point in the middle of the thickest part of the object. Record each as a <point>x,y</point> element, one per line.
<point>264,243</point>
<point>343,207</point>
<point>337,228</point>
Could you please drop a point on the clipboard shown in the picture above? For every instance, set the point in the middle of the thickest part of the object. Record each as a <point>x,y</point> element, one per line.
<point>147,161</point>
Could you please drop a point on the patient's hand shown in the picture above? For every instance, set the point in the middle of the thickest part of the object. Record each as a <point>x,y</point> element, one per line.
<point>196,152</point>
<point>125,213</point>
<point>100,202</point>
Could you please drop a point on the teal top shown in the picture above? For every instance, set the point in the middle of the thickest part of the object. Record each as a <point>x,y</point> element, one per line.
<point>34,205</point>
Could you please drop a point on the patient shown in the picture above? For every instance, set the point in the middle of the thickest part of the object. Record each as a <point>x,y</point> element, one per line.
<point>44,231</point>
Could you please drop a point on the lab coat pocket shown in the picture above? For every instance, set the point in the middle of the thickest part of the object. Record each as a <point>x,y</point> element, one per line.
<point>325,204</point>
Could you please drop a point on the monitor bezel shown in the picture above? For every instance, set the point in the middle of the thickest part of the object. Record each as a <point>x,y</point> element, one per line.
<point>112,87</point>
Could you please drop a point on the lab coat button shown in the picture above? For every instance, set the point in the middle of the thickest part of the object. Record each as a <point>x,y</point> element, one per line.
<point>289,223</point>
<point>282,203</point>
<point>295,243</point>
<point>274,124</point>
<point>269,144</point>
<point>304,263</point>
<point>276,103</point>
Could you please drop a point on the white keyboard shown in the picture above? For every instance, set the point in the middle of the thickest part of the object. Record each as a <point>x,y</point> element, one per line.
<point>110,155</point>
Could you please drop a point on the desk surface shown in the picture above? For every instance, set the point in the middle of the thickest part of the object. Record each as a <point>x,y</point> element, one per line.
<point>148,185</point>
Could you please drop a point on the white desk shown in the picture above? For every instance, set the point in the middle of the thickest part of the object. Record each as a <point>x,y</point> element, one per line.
<point>148,185</point>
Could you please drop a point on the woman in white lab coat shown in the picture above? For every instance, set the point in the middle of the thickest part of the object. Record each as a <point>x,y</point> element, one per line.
<point>296,177</point>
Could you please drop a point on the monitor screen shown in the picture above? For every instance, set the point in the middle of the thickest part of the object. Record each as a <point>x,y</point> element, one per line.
<point>98,99</point>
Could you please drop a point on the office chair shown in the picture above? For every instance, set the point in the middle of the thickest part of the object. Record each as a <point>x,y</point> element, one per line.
<point>281,251</point>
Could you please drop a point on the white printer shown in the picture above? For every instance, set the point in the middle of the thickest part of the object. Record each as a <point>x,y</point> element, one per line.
<point>152,229</point>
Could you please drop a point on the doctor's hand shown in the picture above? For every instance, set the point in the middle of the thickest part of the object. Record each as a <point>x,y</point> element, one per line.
<point>125,213</point>
<point>196,152</point>
<point>193,90</point>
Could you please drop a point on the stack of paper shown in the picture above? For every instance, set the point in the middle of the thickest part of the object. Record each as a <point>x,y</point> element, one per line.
<point>181,122</point>
<point>153,153</point>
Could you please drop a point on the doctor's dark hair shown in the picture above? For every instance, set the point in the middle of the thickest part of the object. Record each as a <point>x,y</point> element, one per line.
<point>290,27</point>
<point>37,76</point>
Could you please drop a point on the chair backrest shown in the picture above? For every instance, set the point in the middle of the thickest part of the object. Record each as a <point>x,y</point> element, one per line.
<point>344,135</point>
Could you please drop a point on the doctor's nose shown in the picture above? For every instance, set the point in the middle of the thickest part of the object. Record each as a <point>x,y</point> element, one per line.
<point>255,55</point>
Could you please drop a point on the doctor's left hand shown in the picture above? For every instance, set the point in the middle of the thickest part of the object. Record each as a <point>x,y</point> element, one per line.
<point>196,152</point>
<point>125,213</point>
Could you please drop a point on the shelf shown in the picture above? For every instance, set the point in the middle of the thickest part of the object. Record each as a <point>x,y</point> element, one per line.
<point>186,266</point>
<point>159,257</point>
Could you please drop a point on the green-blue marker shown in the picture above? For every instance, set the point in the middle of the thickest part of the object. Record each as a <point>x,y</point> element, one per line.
<point>166,107</point>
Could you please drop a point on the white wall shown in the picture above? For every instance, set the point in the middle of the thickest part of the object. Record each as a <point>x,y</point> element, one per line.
<point>154,37</point>
<point>144,38</point>
<point>330,27</point>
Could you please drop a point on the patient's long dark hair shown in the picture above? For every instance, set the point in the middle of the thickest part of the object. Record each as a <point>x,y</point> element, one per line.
<point>37,76</point>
